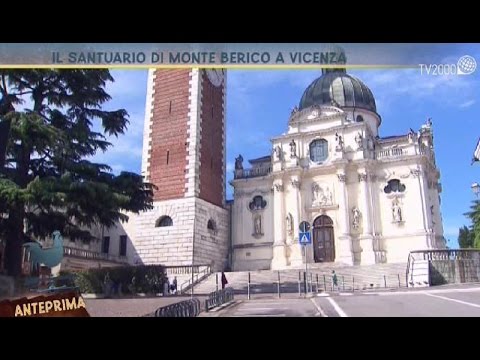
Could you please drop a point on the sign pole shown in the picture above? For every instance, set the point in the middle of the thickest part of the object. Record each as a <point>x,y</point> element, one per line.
<point>306,269</point>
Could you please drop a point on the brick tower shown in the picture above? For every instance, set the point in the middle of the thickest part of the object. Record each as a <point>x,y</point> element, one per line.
<point>184,156</point>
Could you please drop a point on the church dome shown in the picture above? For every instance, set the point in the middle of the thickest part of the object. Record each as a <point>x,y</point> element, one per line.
<point>335,87</point>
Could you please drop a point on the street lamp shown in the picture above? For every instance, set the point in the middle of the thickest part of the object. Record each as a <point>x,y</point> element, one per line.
<point>475,188</point>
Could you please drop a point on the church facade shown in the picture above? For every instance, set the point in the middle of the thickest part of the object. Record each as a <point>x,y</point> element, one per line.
<point>369,199</point>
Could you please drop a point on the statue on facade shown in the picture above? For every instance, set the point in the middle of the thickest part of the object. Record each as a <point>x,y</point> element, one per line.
<point>239,163</point>
<point>359,141</point>
<point>317,194</point>
<point>293,149</point>
<point>356,218</point>
<point>339,140</point>
<point>278,152</point>
<point>257,225</point>
<point>329,196</point>
<point>294,110</point>
<point>396,211</point>
<point>289,224</point>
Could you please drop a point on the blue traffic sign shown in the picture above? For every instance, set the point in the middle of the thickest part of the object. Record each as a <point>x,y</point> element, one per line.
<point>305,238</point>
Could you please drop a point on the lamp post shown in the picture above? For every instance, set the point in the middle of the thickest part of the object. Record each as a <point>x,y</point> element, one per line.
<point>475,188</point>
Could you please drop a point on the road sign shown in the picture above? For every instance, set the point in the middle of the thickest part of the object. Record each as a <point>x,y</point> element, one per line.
<point>304,226</point>
<point>305,238</point>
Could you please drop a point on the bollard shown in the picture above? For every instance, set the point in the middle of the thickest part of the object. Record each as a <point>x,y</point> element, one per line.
<point>299,280</point>
<point>343,282</point>
<point>305,283</point>
<point>311,282</point>
<point>216,281</point>
<point>248,287</point>
<point>278,284</point>
<point>385,280</point>
<point>399,285</point>
<point>324,283</point>
<point>317,283</point>
<point>353,283</point>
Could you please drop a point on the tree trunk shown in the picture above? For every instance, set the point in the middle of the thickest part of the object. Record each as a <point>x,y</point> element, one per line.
<point>13,248</point>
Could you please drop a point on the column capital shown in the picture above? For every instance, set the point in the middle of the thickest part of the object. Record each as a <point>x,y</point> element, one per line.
<point>296,183</point>
<point>277,187</point>
<point>362,177</point>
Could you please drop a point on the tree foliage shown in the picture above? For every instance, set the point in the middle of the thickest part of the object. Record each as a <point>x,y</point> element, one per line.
<point>471,236</point>
<point>49,181</point>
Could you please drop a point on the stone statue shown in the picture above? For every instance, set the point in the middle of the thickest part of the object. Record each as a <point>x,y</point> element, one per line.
<point>429,122</point>
<point>257,225</point>
<point>289,224</point>
<point>316,193</point>
<point>239,163</point>
<point>356,218</point>
<point>294,110</point>
<point>370,144</point>
<point>396,212</point>
<point>278,152</point>
<point>359,141</point>
<point>330,196</point>
<point>339,141</point>
<point>293,149</point>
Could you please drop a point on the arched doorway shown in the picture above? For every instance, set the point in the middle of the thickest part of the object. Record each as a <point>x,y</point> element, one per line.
<point>323,239</point>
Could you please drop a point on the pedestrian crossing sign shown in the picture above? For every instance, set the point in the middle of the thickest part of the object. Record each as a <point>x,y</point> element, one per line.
<point>305,238</point>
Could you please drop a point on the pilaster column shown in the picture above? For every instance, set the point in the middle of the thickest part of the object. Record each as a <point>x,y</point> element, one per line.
<point>294,198</point>
<point>279,259</point>
<point>344,253</point>
<point>366,239</point>
<point>425,212</point>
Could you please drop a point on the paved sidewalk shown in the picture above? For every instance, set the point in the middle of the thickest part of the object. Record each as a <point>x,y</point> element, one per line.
<point>131,307</point>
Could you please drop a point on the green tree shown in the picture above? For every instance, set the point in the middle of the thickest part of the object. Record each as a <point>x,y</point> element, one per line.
<point>465,237</point>
<point>48,182</point>
<point>474,216</point>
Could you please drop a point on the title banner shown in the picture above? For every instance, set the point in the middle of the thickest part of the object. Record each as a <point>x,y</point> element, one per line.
<point>223,55</point>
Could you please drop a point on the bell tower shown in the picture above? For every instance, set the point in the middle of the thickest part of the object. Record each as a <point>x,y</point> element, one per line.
<point>184,156</point>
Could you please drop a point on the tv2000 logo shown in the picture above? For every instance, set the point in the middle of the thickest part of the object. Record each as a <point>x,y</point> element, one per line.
<point>466,65</point>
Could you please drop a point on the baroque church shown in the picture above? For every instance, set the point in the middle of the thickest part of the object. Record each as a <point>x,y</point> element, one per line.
<point>369,199</point>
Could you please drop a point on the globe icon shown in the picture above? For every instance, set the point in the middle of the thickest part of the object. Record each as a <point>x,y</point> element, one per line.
<point>466,65</point>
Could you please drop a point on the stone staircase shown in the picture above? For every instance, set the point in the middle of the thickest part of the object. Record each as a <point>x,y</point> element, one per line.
<point>349,278</point>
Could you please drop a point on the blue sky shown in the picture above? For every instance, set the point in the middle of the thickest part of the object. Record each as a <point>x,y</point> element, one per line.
<point>259,103</point>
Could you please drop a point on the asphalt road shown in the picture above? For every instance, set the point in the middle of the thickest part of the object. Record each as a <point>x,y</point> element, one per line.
<point>457,301</point>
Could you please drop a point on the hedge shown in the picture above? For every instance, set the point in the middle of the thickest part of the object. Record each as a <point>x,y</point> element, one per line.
<point>129,279</point>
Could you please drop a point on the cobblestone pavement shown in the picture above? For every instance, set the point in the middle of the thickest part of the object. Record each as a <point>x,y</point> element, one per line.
<point>134,307</point>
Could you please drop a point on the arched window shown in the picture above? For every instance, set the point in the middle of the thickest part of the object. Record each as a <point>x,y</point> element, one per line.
<point>257,203</point>
<point>211,225</point>
<point>318,150</point>
<point>359,118</point>
<point>164,221</point>
<point>394,185</point>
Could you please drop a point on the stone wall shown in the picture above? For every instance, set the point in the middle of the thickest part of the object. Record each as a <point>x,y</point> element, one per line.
<point>454,271</point>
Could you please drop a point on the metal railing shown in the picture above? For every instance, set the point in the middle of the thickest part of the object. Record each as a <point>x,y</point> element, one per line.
<point>187,308</point>
<point>280,282</point>
<point>253,172</point>
<point>185,269</point>
<point>217,298</point>
<point>197,277</point>
<point>92,255</point>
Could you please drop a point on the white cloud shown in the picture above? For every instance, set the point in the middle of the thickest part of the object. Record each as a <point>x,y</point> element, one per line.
<point>467,104</point>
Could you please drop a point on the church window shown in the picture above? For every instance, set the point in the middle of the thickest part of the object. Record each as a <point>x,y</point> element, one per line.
<point>394,185</point>
<point>359,118</point>
<point>164,221</point>
<point>318,150</point>
<point>257,203</point>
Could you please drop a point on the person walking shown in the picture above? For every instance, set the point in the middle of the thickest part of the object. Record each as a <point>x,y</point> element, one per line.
<point>166,287</point>
<point>174,285</point>
<point>334,281</point>
<point>224,280</point>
